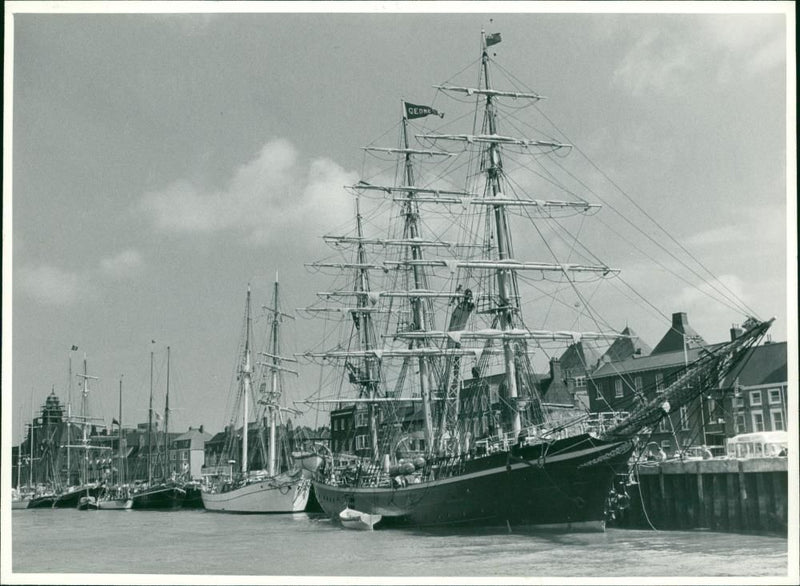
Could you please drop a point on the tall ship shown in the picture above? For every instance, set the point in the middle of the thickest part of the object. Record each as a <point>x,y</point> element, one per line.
<point>277,485</point>
<point>435,313</point>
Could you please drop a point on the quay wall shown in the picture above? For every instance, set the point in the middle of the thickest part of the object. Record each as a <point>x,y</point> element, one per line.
<point>748,495</point>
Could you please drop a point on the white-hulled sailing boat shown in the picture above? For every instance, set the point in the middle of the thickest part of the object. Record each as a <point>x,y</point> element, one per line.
<point>451,426</point>
<point>270,490</point>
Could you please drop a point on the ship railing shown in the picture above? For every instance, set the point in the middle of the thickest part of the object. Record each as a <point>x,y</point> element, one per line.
<point>599,423</point>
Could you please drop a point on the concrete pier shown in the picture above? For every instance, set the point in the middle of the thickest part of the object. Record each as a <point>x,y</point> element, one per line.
<point>719,494</point>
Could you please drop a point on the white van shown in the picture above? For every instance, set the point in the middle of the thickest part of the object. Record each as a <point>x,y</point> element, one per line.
<point>762,444</point>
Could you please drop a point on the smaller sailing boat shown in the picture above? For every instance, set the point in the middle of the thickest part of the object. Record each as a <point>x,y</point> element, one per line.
<point>161,494</point>
<point>351,519</point>
<point>270,490</point>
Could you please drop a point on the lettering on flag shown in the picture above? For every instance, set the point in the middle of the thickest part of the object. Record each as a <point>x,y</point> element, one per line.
<point>417,111</point>
<point>493,39</point>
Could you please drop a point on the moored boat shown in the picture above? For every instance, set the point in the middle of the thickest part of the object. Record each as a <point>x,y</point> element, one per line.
<point>271,490</point>
<point>161,496</point>
<point>451,425</point>
<point>115,504</point>
<point>87,503</point>
<point>351,519</point>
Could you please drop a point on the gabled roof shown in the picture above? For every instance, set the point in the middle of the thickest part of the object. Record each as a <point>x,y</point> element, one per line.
<point>578,358</point>
<point>762,365</point>
<point>623,348</point>
<point>680,330</point>
<point>652,362</point>
<point>195,436</point>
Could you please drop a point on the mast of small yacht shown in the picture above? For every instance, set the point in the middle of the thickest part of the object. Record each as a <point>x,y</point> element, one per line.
<point>246,382</point>
<point>411,231</point>
<point>166,465</point>
<point>121,472</point>
<point>504,276</point>
<point>150,427</point>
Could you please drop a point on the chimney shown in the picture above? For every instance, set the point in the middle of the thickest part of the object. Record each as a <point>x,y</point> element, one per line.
<point>555,369</point>
<point>680,321</point>
<point>201,428</point>
<point>736,331</point>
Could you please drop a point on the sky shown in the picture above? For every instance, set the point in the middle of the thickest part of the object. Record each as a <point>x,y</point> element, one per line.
<point>163,162</point>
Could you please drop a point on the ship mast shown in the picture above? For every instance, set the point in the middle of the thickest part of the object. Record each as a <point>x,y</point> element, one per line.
<point>368,378</point>
<point>272,407</point>
<point>246,371</point>
<point>504,277</point>
<point>166,465</point>
<point>276,369</point>
<point>85,419</point>
<point>150,427</point>
<point>121,472</point>
<point>411,231</point>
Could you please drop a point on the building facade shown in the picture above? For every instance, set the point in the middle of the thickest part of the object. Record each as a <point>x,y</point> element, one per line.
<point>752,398</point>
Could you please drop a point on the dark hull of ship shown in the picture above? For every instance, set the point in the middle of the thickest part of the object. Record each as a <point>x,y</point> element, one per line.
<point>564,484</point>
<point>42,502</point>
<point>193,499</point>
<point>159,498</point>
<point>67,500</point>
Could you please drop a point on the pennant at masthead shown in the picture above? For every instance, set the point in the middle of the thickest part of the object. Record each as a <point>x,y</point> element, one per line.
<point>417,111</point>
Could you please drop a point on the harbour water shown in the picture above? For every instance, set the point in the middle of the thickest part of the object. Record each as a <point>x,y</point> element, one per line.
<point>210,544</point>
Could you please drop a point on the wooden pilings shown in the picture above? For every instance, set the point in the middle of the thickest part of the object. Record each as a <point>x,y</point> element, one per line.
<point>717,494</point>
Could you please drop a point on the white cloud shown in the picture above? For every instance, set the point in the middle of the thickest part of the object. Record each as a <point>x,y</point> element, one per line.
<point>265,199</point>
<point>654,63</point>
<point>122,265</point>
<point>720,235</point>
<point>50,285</point>
<point>662,59</point>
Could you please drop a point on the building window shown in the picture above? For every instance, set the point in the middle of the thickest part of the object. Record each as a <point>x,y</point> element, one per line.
<point>580,382</point>
<point>758,422</point>
<point>637,384</point>
<point>739,426</point>
<point>662,425</point>
<point>618,391</point>
<point>738,402</point>
<point>774,396</point>
<point>777,420</point>
<point>361,442</point>
<point>659,382</point>
<point>755,399</point>
<point>684,415</point>
<point>361,420</point>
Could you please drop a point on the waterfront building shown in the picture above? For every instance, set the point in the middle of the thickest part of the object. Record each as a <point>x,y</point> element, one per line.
<point>625,378</point>
<point>187,453</point>
<point>756,393</point>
